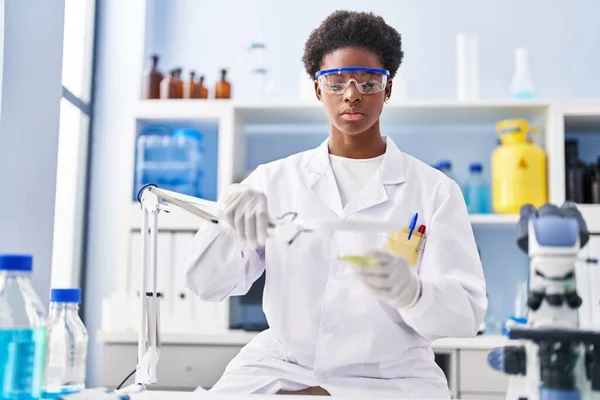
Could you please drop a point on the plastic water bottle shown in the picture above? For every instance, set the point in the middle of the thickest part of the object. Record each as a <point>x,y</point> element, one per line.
<point>67,345</point>
<point>446,167</point>
<point>476,191</point>
<point>22,331</point>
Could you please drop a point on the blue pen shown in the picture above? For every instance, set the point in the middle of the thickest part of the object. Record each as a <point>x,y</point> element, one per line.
<point>412,225</point>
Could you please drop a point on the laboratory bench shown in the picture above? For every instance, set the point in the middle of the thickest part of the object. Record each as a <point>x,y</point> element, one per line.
<point>191,360</point>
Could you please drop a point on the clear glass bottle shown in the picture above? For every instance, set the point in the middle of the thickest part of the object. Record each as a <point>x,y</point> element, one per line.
<point>22,330</point>
<point>520,311</point>
<point>67,345</point>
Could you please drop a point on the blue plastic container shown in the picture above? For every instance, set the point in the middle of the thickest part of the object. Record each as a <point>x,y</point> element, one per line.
<point>171,160</point>
<point>23,333</point>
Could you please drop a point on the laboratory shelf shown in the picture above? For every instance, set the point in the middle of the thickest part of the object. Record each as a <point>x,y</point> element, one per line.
<point>493,219</point>
<point>181,109</point>
<point>293,112</point>
<point>442,113</point>
<point>241,338</point>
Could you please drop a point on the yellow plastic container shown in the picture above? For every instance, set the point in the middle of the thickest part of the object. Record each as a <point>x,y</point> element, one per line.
<point>518,169</point>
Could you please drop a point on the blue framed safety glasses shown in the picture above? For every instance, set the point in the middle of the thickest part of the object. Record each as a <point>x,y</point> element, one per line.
<point>367,80</point>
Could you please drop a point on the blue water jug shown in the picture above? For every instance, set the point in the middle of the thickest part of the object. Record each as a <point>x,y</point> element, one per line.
<point>183,169</point>
<point>171,160</point>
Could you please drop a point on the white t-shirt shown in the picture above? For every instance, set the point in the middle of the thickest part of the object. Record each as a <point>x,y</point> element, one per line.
<point>352,174</point>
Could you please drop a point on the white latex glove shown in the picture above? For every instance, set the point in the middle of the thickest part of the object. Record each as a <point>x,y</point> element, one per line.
<point>246,212</point>
<point>392,281</point>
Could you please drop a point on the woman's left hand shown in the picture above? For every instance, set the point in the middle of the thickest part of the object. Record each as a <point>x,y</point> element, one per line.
<point>391,280</point>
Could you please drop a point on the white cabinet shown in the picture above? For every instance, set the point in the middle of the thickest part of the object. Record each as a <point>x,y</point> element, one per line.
<point>181,367</point>
<point>476,376</point>
<point>191,360</point>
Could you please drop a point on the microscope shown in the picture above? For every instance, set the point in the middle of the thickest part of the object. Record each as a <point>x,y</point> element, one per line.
<point>553,359</point>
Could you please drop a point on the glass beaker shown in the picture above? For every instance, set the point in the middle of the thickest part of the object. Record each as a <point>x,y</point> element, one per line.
<point>520,307</point>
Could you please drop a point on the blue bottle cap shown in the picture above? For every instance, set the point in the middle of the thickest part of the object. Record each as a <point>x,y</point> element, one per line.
<point>65,295</point>
<point>187,133</point>
<point>475,167</point>
<point>444,164</point>
<point>16,262</point>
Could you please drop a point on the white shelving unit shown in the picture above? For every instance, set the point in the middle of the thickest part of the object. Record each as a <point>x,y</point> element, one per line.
<point>493,219</point>
<point>234,119</point>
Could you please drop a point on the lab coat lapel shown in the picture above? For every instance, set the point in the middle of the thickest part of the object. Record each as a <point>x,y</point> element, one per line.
<point>321,181</point>
<point>390,172</point>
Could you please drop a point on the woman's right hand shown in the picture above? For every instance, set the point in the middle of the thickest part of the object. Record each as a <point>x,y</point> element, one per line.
<point>245,210</point>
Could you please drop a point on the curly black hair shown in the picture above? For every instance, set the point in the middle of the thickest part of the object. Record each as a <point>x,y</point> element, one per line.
<point>353,29</point>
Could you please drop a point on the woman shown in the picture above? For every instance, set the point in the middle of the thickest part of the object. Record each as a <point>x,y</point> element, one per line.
<point>330,334</point>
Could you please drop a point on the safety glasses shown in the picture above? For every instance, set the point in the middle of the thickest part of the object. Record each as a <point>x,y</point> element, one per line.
<point>366,80</point>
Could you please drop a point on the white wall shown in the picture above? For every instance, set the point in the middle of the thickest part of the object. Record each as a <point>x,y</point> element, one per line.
<point>561,36</point>
<point>29,118</point>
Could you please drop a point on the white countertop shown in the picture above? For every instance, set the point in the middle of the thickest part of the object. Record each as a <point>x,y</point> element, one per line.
<point>160,395</point>
<point>214,396</point>
<point>241,338</point>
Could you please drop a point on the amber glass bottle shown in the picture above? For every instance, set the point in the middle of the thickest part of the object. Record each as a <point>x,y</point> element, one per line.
<point>223,88</point>
<point>203,90</point>
<point>151,80</point>
<point>166,86</point>
<point>177,84</point>
<point>191,88</point>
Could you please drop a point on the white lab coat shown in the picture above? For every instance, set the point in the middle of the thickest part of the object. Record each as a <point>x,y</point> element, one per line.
<point>326,329</point>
